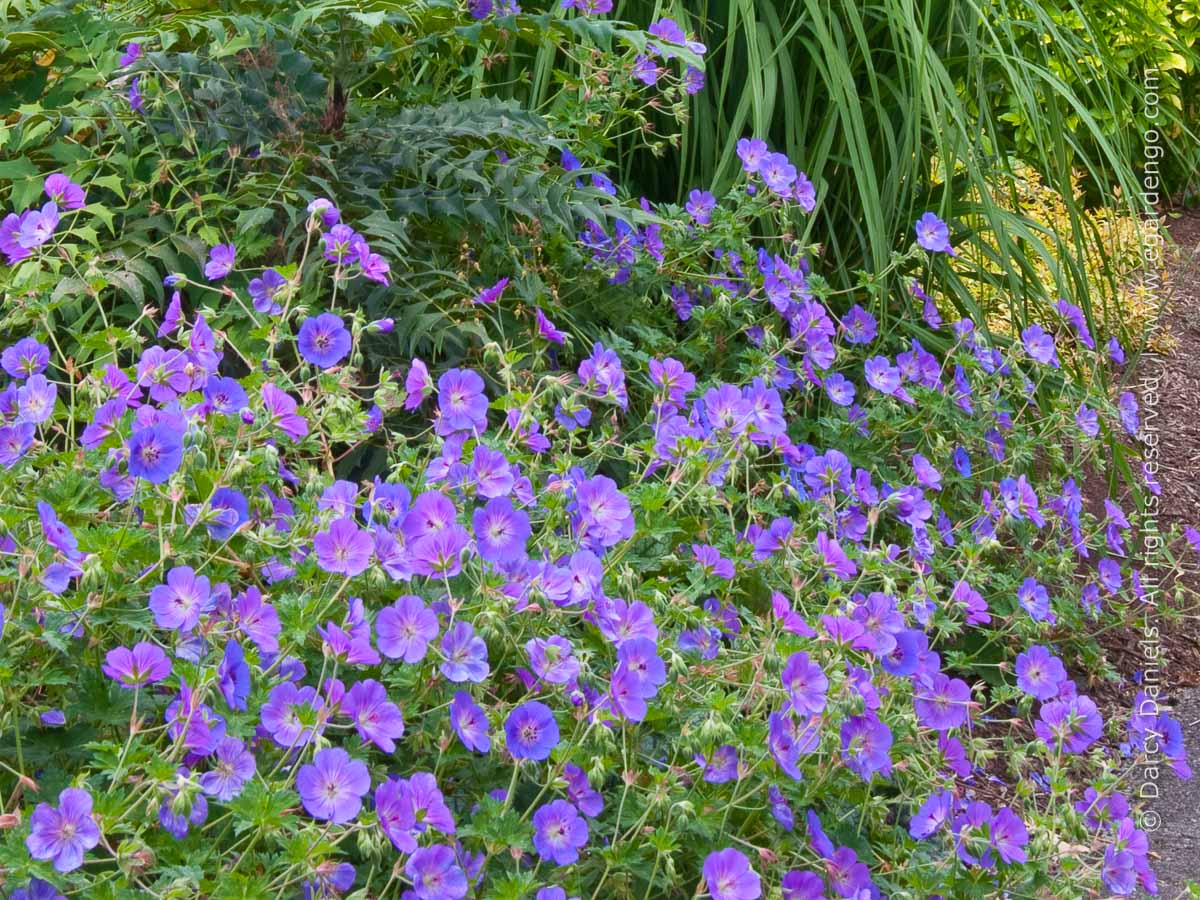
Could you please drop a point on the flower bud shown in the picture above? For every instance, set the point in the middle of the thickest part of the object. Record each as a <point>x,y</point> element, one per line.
<point>382,326</point>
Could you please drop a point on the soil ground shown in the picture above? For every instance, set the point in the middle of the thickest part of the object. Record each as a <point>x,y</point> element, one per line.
<point>1174,816</point>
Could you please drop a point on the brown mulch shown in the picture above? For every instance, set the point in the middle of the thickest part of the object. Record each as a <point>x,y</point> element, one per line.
<point>1173,816</point>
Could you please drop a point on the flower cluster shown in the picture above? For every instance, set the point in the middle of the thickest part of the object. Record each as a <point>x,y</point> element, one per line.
<point>612,622</point>
<point>23,234</point>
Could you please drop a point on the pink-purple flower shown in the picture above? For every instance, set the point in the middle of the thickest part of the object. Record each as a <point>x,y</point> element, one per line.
<point>156,452</point>
<point>144,664</point>
<point>345,549</point>
<point>404,630</point>
<point>376,719</point>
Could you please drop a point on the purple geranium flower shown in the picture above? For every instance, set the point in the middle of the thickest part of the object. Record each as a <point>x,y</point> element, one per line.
<point>501,531</point>
<point>700,206</point>
<point>1115,352</point>
<point>395,814</point>
<point>63,834</point>
<point>24,358</point>
<point>778,173</point>
<point>942,702</point>
<point>1040,345</point>
<point>225,395</point>
<point>63,191</point>
<point>281,410</point>
<point>228,510</point>
<point>728,876</point>
<point>552,659</point>
<point>37,226</point>
<point>1035,600</point>
<point>840,389</point>
<point>233,676</point>
<point>36,399</point>
<point>180,601</point>
<point>137,103</point>
<point>1087,420</point>
<point>752,152</point>
<point>439,554</point>
<point>144,664</point>
<point>1040,673</point>
<point>417,385</point>
<point>645,70</point>
<point>293,715</point>
<point>232,767</point>
<point>377,719</point>
<point>131,54</point>
<point>530,731</point>
<point>1073,724</point>
<point>1127,406</point>
<point>712,562</point>
<point>805,683</point>
<point>866,742</point>
<point>466,654</point>
<point>933,234</point>
<point>155,452</point>
<point>547,329</point>
<point>263,290</point>
<point>427,806</point>
<point>1109,571</point>
<point>404,629</point>
<point>559,832</point>
<point>640,666</point>
<point>332,786</point>
<point>462,403</point>
<point>323,340</point>
<point>605,516</point>
<point>348,647</point>
<point>220,261</point>
<point>436,874</point>
<point>1009,836</point>
<point>37,890</point>
<point>345,549</point>
<point>587,801</point>
<point>722,767</point>
<point>470,723</point>
<point>801,885</point>
<point>490,295</point>
<point>933,814</point>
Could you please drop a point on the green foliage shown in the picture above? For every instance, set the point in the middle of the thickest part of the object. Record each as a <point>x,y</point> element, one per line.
<point>254,110</point>
<point>905,105</point>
